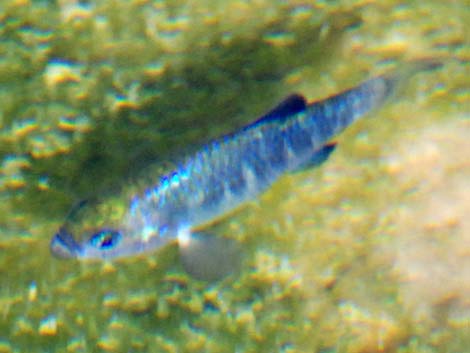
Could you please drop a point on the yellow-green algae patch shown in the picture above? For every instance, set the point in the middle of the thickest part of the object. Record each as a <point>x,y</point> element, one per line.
<point>367,254</point>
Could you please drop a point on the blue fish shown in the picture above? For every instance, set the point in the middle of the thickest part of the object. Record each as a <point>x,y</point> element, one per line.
<point>219,178</point>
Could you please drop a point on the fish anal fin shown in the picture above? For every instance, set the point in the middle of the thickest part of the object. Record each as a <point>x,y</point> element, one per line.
<point>317,158</point>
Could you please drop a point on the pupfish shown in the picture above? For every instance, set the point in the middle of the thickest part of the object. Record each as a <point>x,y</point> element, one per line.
<point>222,176</point>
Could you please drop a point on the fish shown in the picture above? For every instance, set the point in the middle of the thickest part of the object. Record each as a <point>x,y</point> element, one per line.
<point>224,175</point>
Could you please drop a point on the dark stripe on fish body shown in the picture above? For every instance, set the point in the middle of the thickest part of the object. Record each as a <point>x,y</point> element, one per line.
<point>298,138</point>
<point>236,180</point>
<point>278,155</point>
<point>255,159</point>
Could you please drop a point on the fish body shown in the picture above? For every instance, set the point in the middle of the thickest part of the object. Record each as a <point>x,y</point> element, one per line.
<point>223,175</point>
<point>238,167</point>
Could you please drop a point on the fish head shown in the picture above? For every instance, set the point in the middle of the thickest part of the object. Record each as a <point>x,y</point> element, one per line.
<point>104,230</point>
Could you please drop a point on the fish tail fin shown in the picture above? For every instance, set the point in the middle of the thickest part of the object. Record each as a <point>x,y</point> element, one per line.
<point>334,114</point>
<point>397,79</point>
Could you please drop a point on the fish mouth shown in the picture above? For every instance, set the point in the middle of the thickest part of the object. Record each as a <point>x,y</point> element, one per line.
<point>63,245</point>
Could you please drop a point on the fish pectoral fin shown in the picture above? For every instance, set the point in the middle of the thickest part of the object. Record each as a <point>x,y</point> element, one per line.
<point>317,158</point>
<point>208,257</point>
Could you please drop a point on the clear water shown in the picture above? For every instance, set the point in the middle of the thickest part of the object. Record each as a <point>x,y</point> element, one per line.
<point>369,253</point>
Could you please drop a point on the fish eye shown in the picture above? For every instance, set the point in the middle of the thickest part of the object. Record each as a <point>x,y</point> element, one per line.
<point>105,239</point>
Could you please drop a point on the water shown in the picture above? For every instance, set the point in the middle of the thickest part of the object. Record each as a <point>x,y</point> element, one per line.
<point>368,253</point>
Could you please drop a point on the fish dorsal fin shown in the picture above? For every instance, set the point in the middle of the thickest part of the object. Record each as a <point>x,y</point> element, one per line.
<point>293,104</point>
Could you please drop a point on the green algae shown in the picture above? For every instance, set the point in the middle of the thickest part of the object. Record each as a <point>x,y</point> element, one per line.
<point>90,93</point>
